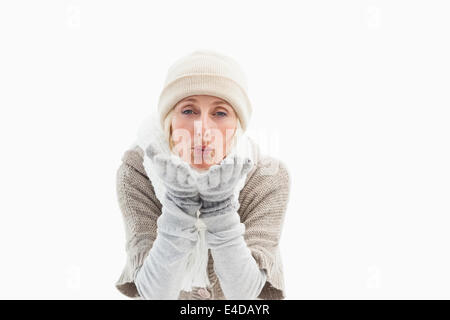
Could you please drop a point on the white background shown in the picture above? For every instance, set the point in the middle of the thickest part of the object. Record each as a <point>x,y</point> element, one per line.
<point>352,95</point>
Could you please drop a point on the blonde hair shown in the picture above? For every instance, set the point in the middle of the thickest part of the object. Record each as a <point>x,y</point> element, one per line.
<point>168,130</point>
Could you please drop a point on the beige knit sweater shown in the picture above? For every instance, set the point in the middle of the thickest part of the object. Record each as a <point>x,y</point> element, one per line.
<point>263,203</point>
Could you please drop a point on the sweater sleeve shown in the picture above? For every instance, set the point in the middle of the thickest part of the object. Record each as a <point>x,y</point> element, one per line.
<point>140,211</point>
<point>264,208</point>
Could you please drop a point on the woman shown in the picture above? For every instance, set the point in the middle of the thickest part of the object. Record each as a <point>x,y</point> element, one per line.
<point>203,208</point>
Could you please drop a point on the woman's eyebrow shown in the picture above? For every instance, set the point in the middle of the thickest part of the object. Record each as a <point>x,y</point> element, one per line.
<point>220,102</point>
<point>190,99</point>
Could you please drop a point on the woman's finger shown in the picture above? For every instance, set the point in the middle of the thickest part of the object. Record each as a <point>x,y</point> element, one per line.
<point>190,180</point>
<point>202,181</point>
<point>227,171</point>
<point>237,168</point>
<point>160,165</point>
<point>181,175</point>
<point>214,176</point>
<point>247,166</point>
<point>171,171</point>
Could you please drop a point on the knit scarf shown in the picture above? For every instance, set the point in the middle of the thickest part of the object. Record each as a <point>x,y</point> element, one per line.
<point>151,131</point>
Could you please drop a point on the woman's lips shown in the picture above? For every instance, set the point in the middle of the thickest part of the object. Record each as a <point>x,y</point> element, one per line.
<point>202,149</point>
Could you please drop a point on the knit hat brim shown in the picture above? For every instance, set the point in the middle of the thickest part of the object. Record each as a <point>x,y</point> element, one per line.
<point>205,84</point>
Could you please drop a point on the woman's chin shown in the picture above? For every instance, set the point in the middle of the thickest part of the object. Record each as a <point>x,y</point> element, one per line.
<point>201,167</point>
<point>205,164</point>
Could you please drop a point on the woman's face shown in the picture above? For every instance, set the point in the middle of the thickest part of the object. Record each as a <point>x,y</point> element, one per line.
<point>202,129</point>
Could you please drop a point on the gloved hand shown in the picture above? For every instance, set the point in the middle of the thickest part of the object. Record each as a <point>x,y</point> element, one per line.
<point>178,178</point>
<point>216,186</point>
<point>160,276</point>
<point>237,270</point>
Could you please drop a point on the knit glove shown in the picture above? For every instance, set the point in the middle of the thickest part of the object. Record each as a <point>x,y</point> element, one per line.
<point>179,180</point>
<point>219,201</point>
<point>160,276</point>
<point>237,270</point>
<point>216,186</point>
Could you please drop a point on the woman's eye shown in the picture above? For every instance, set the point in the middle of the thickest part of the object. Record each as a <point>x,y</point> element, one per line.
<point>184,112</point>
<point>221,114</point>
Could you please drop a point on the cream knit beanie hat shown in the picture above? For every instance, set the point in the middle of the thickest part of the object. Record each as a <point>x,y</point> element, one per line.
<point>206,72</point>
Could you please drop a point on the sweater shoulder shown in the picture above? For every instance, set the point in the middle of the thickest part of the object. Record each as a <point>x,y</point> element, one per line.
<point>270,172</point>
<point>134,157</point>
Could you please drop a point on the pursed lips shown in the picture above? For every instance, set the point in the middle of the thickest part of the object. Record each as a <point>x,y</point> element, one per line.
<point>202,148</point>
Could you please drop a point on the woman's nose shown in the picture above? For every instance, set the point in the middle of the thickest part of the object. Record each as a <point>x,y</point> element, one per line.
<point>208,125</point>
